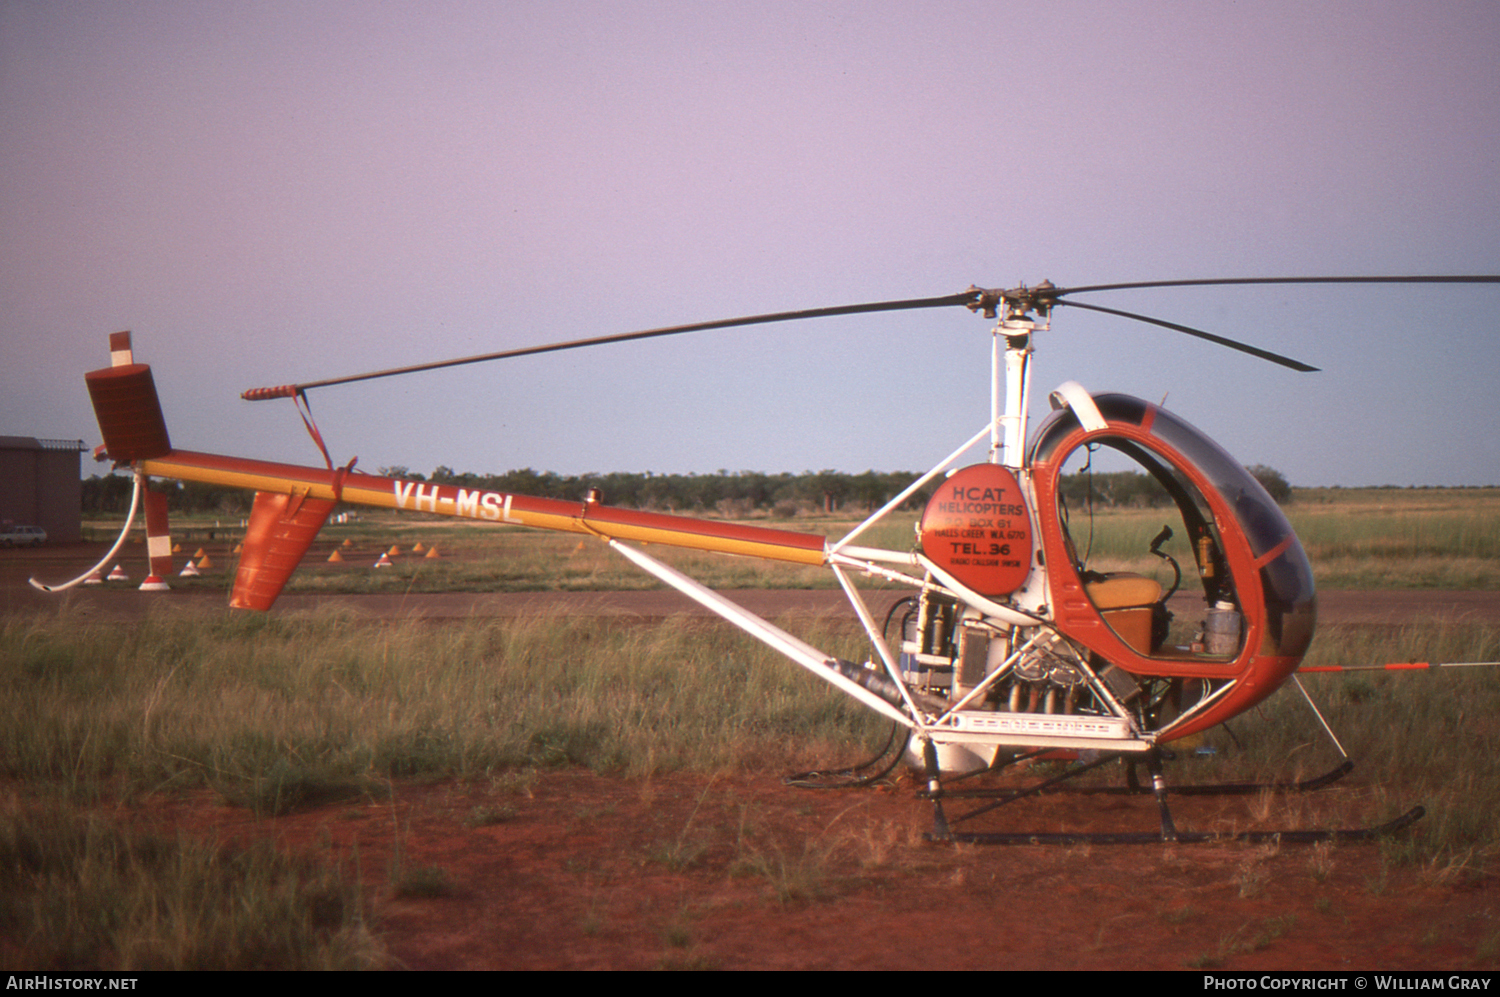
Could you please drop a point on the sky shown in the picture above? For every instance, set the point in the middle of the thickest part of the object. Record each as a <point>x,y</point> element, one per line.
<point>271,192</point>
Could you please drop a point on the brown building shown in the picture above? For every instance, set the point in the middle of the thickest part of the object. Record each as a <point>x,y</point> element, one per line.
<point>39,485</point>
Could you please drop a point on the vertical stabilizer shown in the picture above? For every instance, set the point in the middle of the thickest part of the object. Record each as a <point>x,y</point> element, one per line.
<point>282,527</point>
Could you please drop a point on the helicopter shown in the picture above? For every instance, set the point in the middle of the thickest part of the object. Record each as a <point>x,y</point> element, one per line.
<point>1009,647</point>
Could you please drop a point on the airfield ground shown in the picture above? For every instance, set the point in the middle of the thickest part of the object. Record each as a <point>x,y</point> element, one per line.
<point>564,868</point>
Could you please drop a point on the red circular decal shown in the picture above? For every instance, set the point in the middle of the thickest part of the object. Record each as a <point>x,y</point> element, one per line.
<point>976,528</point>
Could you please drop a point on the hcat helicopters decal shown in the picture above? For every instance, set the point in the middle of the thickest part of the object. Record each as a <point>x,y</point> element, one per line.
<point>1008,648</point>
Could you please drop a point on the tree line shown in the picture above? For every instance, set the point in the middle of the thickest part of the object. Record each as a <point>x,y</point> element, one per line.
<point>1132,489</point>
<point>736,494</point>
<point>731,493</point>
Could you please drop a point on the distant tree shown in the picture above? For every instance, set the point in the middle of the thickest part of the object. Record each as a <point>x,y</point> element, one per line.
<point>868,489</point>
<point>1273,481</point>
<point>1131,489</point>
<point>110,493</point>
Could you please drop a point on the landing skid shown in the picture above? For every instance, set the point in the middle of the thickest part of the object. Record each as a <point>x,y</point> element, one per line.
<point>1328,778</point>
<point>1173,836</point>
<point>943,830</point>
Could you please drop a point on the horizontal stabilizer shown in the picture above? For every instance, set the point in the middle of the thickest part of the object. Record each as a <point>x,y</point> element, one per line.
<point>282,527</point>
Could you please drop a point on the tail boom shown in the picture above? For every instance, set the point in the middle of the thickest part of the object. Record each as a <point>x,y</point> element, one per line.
<point>293,502</point>
<point>592,518</point>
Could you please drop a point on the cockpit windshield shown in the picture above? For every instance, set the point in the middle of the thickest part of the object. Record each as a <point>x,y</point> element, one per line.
<point>1169,469</point>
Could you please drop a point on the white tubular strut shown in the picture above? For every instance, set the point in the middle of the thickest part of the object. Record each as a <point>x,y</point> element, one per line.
<point>820,664</point>
<point>909,490</point>
<point>877,639</point>
<point>135,502</point>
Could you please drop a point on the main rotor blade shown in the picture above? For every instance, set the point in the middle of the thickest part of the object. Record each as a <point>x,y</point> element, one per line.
<point>1233,344</point>
<point>962,298</point>
<point>1056,298</point>
<point>1225,282</point>
<point>1044,295</point>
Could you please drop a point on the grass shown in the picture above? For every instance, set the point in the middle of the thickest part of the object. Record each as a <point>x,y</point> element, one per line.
<point>279,712</point>
<point>489,816</point>
<point>481,557</point>
<point>425,882</point>
<point>791,877</point>
<point>1368,538</point>
<point>684,851</point>
<point>275,712</point>
<point>1401,538</point>
<point>1363,538</point>
<point>81,894</point>
<point>1430,737</point>
<point>1320,862</point>
<point>1247,938</point>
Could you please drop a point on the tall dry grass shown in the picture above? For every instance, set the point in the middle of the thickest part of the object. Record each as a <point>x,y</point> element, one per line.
<point>482,557</point>
<point>275,712</point>
<point>1376,538</point>
<point>278,711</point>
<point>80,893</point>
<point>273,709</point>
<point>1401,537</point>
<point>1362,538</point>
<point>1416,737</point>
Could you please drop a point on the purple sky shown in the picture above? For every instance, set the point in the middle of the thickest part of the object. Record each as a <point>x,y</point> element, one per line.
<point>281,191</point>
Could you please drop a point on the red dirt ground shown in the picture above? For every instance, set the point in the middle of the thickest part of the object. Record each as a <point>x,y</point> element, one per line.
<point>573,870</point>
<point>582,871</point>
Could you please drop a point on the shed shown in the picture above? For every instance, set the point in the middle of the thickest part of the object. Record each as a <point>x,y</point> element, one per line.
<point>39,485</point>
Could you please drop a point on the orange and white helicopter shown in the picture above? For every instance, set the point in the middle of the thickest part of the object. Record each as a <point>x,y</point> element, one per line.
<point>1007,648</point>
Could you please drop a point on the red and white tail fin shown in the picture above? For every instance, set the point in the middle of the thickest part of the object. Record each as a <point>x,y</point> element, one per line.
<point>126,404</point>
<point>282,525</point>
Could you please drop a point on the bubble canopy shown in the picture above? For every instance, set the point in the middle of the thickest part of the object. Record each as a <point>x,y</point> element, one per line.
<point>1254,553</point>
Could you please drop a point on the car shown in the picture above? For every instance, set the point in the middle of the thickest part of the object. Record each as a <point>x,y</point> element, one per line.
<point>22,536</point>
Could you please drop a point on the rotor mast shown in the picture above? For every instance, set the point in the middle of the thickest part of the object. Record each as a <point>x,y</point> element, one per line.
<point>1008,426</point>
<point>1011,349</point>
